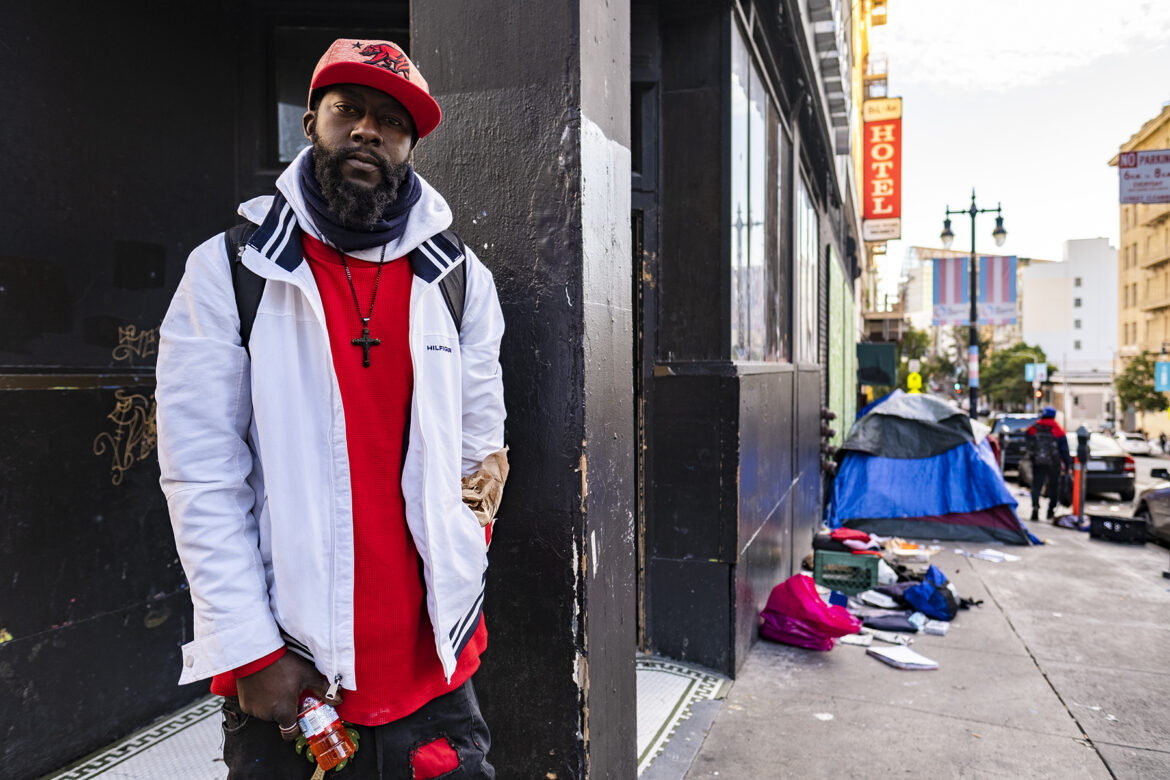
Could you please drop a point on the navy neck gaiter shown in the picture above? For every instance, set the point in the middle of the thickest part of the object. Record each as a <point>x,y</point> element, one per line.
<point>390,227</point>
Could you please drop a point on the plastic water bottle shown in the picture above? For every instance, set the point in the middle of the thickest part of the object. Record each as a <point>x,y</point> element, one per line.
<point>324,731</point>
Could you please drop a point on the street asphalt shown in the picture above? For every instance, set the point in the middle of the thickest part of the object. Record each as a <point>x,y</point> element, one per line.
<point>1061,672</point>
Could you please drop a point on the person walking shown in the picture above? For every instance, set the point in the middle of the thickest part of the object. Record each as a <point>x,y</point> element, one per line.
<point>1049,454</point>
<point>1162,443</point>
<point>333,456</point>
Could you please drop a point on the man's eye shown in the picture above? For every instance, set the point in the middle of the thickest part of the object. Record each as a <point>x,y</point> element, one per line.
<point>344,108</point>
<point>392,120</point>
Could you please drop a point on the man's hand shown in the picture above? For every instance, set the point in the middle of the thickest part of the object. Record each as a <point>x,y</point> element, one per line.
<point>273,692</point>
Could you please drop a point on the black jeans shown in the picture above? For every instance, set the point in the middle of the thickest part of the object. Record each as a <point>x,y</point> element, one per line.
<point>1045,479</point>
<point>254,750</point>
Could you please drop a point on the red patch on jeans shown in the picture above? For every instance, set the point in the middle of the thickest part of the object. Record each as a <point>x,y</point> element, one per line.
<point>433,759</point>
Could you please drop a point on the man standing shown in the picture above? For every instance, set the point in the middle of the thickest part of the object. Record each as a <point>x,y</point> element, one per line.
<point>1048,451</point>
<point>316,448</point>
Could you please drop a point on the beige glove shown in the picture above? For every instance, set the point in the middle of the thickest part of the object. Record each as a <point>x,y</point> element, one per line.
<point>483,490</point>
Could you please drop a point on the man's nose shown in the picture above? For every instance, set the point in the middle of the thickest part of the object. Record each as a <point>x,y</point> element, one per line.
<point>366,129</point>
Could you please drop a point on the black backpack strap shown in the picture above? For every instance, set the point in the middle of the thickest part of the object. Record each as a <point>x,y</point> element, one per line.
<point>248,286</point>
<point>454,284</point>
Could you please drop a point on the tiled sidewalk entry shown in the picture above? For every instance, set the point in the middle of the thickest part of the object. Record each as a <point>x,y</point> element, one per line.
<point>188,744</point>
<point>666,691</point>
<point>185,746</point>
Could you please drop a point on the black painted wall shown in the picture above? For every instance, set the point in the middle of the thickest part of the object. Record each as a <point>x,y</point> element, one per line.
<point>109,177</point>
<point>130,136</point>
<point>113,171</point>
<point>93,595</point>
<point>733,493</point>
<point>527,118</point>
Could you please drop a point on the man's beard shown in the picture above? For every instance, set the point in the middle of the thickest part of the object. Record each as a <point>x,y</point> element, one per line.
<point>354,205</point>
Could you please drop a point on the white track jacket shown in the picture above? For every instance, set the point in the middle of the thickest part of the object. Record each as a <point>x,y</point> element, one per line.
<point>254,457</point>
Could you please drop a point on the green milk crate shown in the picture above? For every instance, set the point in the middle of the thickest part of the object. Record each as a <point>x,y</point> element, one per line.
<point>845,572</point>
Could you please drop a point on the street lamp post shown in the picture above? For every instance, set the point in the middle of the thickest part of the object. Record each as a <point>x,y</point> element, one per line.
<point>948,237</point>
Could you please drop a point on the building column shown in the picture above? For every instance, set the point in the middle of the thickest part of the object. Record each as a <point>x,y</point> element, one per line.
<point>533,156</point>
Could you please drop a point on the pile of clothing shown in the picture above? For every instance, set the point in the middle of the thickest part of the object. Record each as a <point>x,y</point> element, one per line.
<point>912,596</point>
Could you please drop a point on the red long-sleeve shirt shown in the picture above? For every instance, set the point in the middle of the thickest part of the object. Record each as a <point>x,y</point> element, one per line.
<point>397,667</point>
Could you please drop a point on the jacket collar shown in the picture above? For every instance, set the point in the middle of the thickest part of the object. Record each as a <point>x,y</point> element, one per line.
<point>278,240</point>
<point>282,216</point>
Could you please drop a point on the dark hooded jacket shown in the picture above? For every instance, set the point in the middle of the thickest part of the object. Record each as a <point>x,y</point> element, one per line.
<point>1058,432</point>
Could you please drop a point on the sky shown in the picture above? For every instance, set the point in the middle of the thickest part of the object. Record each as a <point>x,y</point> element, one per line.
<point>1025,101</point>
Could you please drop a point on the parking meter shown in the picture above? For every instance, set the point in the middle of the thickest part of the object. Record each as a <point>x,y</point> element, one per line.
<point>1083,465</point>
<point>999,437</point>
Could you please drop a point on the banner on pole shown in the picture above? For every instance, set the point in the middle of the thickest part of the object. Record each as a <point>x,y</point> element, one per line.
<point>996,301</point>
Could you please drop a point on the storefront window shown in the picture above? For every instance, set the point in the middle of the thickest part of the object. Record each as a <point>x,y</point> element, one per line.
<point>757,209</point>
<point>804,257</point>
<point>749,169</point>
<point>780,280</point>
<point>740,214</point>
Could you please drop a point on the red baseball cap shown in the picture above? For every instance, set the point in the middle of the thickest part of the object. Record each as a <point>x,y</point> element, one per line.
<point>381,65</point>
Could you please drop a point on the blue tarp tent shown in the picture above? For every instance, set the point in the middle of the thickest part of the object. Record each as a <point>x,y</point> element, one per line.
<point>894,481</point>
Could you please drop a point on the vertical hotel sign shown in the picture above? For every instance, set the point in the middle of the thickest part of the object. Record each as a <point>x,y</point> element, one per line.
<point>882,169</point>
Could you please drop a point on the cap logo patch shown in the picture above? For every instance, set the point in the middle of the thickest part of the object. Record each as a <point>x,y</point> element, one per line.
<point>385,56</point>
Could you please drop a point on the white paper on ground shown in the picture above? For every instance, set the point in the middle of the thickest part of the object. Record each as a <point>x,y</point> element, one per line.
<point>865,640</point>
<point>937,627</point>
<point>892,637</point>
<point>998,556</point>
<point>902,658</point>
<point>875,599</point>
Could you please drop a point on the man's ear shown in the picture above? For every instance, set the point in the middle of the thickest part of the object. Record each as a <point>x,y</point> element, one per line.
<point>308,120</point>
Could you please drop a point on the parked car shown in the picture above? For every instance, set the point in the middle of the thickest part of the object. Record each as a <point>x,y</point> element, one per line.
<point>1109,470</point>
<point>1154,506</point>
<point>1133,443</point>
<point>1010,431</point>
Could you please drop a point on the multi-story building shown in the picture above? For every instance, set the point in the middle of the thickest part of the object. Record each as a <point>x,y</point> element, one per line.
<point>1143,270</point>
<point>1070,311</point>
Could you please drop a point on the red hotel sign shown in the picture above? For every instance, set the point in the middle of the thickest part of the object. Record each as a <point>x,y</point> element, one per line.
<point>882,169</point>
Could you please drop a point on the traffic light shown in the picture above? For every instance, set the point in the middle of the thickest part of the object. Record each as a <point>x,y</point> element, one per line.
<point>1038,393</point>
<point>958,388</point>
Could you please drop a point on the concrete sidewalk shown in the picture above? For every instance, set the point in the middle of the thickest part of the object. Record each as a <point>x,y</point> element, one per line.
<point>1062,672</point>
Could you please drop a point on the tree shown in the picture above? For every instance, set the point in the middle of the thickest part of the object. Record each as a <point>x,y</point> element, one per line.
<point>1001,375</point>
<point>912,346</point>
<point>961,334</point>
<point>1135,385</point>
<point>916,345</point>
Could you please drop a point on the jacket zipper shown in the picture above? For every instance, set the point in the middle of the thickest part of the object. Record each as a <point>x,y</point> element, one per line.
<point>423,441</point>
<point>333,542</point>
<point>336,681</point>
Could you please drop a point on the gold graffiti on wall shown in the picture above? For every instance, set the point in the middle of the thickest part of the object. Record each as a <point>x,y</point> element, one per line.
<point>135,435</point>
<point>132,342</point>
